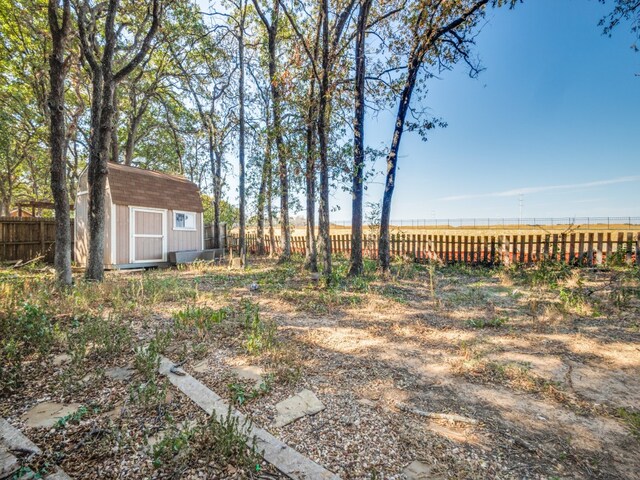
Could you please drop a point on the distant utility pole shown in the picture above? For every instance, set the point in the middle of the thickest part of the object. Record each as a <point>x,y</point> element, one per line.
<point>520,202</point>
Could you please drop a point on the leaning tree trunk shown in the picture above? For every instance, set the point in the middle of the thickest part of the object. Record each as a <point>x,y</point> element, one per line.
<point>392,160</point>
<point>323,214</point>
<point>57,72</point>
<point>356,265</point>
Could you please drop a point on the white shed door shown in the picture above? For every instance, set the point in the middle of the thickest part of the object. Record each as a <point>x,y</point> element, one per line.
<point>148,235</point>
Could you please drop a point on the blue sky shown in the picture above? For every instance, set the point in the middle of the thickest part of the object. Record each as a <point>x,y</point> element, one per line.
<point>556,115</point>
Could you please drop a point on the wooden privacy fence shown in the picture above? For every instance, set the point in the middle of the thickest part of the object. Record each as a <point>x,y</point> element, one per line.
<point>584,248</point>
<point>26,238</point>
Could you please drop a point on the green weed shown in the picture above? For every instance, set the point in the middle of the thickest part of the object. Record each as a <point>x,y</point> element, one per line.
<point>631,418</point>
<point>482,323</point>
<point>259,335</point>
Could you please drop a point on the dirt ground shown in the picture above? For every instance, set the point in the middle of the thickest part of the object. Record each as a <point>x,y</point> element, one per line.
<point>475,372</point>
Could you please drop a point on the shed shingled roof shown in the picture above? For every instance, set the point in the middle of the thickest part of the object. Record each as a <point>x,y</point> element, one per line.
<point>146,188</point>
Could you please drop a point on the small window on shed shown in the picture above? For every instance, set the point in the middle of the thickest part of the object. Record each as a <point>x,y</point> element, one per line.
<point>184,221</point>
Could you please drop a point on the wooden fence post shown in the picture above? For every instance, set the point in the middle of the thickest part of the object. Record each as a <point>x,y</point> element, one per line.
<point>599,249</point>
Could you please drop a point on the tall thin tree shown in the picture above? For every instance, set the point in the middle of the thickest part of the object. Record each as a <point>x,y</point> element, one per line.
<point>59,29</point>
<point>271,27</point>
<point>357,188</point>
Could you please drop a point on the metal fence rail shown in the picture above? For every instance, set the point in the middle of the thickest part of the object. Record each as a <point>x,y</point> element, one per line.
<point>616,223</point>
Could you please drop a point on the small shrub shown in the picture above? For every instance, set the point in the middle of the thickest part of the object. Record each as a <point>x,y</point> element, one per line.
<point>259,335</point>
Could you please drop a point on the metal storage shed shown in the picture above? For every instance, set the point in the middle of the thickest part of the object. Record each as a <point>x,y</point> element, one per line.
<point>147,215</point>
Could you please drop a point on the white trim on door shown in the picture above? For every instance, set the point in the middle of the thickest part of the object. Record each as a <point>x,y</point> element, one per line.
<point>133,235</point>
<point>202,230</point>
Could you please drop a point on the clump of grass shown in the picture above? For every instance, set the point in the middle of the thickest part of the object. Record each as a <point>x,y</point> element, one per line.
<point>149,390</point>
<point>631,418</point>
<point>285,362</point>
<point>202,318</point>
<point>548,273</point>
<point>259,335</point>
<point>492,323</point>
<point>106,337</point>
<point>514,374</point>
<point>223,441</point>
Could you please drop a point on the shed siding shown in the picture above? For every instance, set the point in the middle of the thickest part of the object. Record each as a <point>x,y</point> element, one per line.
<point>107,227</point>
<point>179,240</point>
<point>122,234</point>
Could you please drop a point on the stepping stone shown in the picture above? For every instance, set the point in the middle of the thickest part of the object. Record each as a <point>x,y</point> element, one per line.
<point>119,373</point>
<point>61,359</point>
<point>201,367</point>
<point>8,463</point>
<point>249,372</point>
<point>47,414</point>
<point>301,404</point>
<point>418,470</point>
<point>12,439</point>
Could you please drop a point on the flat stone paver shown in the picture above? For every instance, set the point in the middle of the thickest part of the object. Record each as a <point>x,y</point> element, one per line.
<point>277,453</point>
<point>47,414</point>
<point>13,439</point>
<point>122,374</point>
<point>61,359</point>
<point>418,470</point>
<point>301,404</point>
<point>8,463</point>
<point>249,372</point>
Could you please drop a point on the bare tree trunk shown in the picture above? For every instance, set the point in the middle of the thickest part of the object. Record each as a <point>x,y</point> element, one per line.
<point>241,187</point>
<point>264,177</point>
<point>272,31</point>
<point>216,166</point>
<point>356,267</point>
<point>272,234</point>
<point>98,182</point>
<point>392,160</point>
<point>57,72</point>
<point>323,214</point>
<point>311,261</point>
